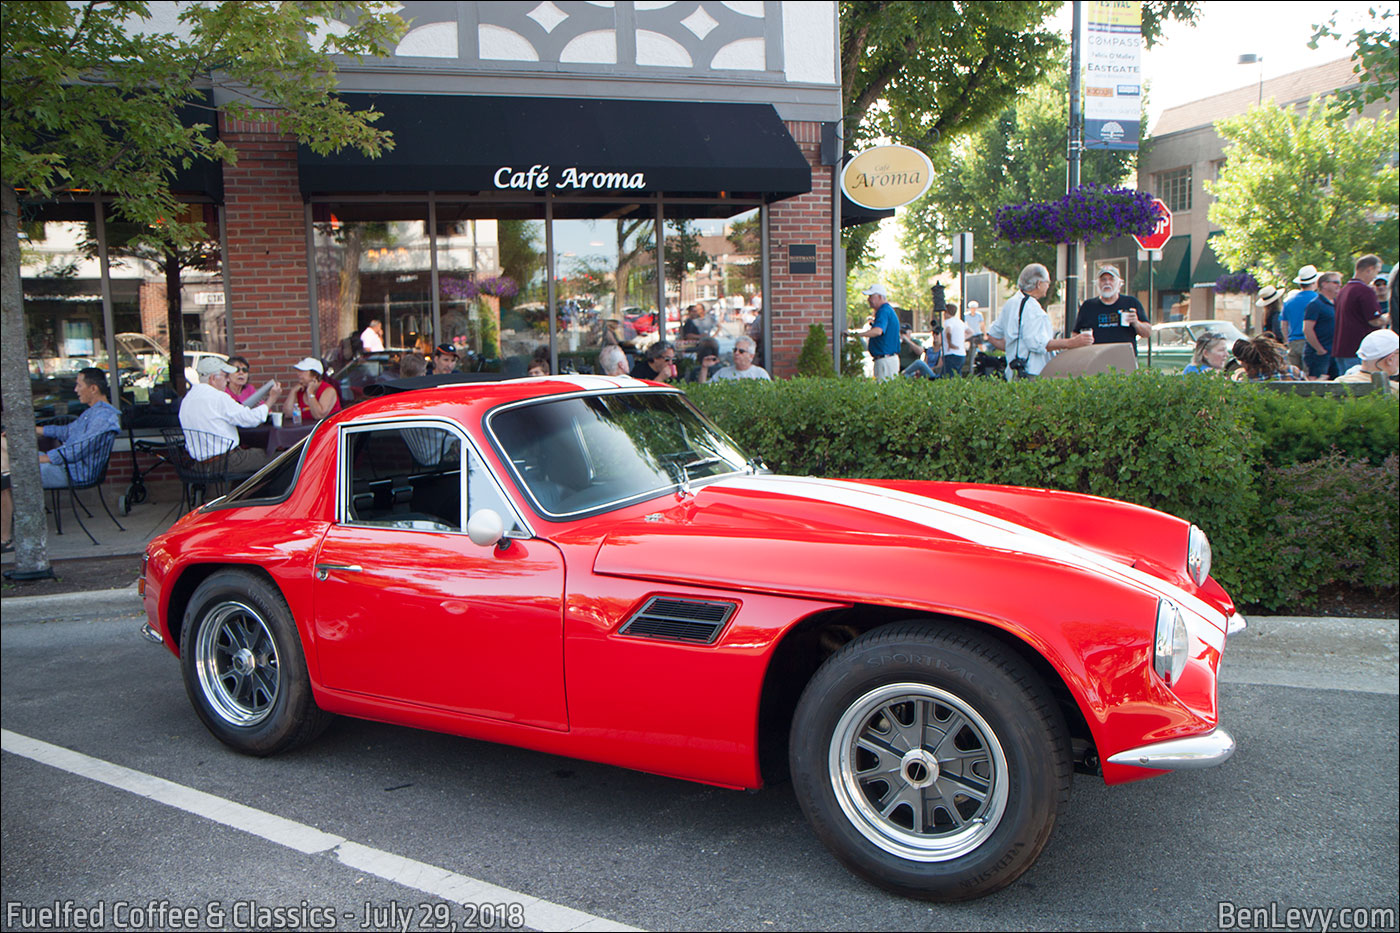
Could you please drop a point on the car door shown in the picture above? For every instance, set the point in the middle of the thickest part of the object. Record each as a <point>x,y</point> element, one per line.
<point>409,609</point>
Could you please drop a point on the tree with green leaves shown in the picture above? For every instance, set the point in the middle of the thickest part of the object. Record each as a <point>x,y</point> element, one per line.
<point>1301,188</point>
<point>1019,156</point>
<point>1377,58</point>
<point>925,74</point>
<point>92,94</point>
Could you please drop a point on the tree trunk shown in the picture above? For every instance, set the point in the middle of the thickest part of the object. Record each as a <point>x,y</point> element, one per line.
<point>175,321</point>
<point>30,527</point>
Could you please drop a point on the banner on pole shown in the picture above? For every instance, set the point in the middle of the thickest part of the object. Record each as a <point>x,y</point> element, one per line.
<point>1112,74</point>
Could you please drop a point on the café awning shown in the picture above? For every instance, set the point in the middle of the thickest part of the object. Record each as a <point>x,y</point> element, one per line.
<point>589,147</point>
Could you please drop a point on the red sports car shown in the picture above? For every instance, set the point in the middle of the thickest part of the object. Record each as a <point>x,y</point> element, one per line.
<point>587,567</point>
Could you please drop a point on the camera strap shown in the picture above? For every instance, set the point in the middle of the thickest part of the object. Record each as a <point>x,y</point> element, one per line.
<point>1020,339</point>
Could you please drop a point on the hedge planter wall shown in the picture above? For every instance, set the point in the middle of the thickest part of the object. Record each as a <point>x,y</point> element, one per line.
<point>1297,493</point>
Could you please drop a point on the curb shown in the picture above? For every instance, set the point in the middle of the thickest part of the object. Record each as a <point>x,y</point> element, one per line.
<point>70,606</point>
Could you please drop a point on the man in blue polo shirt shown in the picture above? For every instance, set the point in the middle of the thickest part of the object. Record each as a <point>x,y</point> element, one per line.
<point>883,332</point>
<point>1292,317</point>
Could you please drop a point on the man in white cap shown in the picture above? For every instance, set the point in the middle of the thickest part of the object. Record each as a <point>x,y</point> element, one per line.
<point>208,409</point>
<point>882,331</point>
<point>1380,353</point>
<point>1113,317</point>
<point>976,328</point>
<point>1293,308</point>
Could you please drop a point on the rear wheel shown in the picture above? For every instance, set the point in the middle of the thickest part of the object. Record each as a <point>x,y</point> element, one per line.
<point>243,666</point>
<point>931,763</point>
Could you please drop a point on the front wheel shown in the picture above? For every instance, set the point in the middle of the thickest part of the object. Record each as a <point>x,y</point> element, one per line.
<point>930,762</point>
<point>243,666</point>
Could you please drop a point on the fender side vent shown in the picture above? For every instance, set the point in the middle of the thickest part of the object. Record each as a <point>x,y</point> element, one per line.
<point>667,617</point>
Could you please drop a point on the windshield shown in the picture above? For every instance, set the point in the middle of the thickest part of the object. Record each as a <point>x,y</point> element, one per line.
<point>588,454</point>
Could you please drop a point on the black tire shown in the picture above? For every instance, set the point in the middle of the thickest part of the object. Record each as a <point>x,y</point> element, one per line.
<point>966,808</point>
<point>244,669</point>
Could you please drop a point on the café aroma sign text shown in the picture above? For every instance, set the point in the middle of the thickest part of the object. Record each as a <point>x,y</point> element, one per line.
<point>886,177</point>
<point>538,178</point>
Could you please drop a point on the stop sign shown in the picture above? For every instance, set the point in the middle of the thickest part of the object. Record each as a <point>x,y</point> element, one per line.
<point>1162,232</point>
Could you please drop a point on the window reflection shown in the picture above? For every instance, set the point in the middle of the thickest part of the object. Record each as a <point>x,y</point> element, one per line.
<point>605,284</point>
<point>62,298</point>
<point>714,283</point>
<point>372,263</point>
<point>491,283</point>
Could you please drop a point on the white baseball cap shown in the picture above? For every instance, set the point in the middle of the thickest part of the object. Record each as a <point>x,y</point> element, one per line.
<point>876,289</point>
<point>1378,344</point>
<point>209,365</point>
<point>311,364</point>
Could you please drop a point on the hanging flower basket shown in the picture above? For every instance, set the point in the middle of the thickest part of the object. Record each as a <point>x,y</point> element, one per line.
<point>1090,213</point>
<point>501,286</point>
<point>458,288</point>
<point>1236,282</point>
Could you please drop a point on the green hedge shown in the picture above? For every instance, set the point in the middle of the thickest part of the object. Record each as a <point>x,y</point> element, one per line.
<point>1220,454</point>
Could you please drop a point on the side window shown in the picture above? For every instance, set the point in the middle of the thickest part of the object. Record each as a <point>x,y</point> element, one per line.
<point>405,478</point>
<point>412,478</point>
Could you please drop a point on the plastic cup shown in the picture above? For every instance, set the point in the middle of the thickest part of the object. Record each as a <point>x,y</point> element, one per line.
<point>276,417</point>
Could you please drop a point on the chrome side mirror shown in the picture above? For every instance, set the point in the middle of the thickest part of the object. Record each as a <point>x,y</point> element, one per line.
<point>486,529</point>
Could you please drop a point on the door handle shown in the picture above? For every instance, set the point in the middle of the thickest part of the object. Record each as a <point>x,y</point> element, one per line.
<point>324,570</point>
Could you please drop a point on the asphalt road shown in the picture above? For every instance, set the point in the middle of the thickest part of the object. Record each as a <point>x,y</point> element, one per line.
<point>1304,816</point>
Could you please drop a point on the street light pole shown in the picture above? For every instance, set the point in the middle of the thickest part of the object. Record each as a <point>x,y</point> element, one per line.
<point>1249,58</point>
<point>1076,146</point>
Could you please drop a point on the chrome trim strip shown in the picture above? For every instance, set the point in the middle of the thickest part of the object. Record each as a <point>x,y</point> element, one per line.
<point>151,635</point>
<point>421,421</point>
<point>1197,751</point>
<point>1235,623</point>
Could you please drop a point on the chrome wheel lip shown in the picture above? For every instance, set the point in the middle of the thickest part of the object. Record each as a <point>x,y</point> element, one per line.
<point>891,837</point>
<point>227,665</point>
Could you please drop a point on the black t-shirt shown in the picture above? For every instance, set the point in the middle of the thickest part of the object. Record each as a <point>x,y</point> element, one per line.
<point>1103,319</point>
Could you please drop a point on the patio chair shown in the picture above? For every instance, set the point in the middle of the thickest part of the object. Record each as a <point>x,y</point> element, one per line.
<point>85,466</point>
<point>201,461</point>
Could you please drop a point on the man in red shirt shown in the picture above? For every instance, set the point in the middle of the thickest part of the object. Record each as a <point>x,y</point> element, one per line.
<point>1358,313</point>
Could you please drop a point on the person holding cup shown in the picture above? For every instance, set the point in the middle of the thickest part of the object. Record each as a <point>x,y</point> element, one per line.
<point>315,396</point>
<point>1112,316</point>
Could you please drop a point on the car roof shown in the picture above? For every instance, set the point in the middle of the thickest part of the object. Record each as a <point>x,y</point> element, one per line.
<point>487,395</point>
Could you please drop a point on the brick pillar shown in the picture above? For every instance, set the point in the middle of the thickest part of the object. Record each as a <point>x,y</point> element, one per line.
<point>799,301</point>
<point>267,270</point>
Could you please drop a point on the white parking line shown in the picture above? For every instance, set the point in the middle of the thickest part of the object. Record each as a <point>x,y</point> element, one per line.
<point>439,882</point>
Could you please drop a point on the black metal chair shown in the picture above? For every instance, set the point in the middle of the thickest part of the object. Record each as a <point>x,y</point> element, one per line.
<point>85,466</point>
<point>201,461</point>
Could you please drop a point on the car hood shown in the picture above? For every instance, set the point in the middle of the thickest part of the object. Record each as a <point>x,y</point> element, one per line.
<point>853,540</point>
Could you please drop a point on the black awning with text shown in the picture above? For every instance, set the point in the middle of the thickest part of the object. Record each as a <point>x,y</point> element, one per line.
<point>570,147</point>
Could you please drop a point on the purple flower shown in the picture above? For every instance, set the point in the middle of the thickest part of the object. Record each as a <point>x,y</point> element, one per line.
<point>1090,212</point>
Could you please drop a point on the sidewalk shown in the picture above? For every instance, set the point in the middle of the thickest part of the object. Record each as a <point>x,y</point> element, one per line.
<point>146,521</point>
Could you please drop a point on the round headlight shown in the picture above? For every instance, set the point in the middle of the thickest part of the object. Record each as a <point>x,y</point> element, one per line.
<point>1171,645</point>
<point>1198,555</point>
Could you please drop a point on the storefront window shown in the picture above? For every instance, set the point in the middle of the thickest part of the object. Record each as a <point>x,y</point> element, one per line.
<point>714,281</point>
<point>491,287</point>
<point>605,283</point>
<point>372,264</point>
<point>64,322</point>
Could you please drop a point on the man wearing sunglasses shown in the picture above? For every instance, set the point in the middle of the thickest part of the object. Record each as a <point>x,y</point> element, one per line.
<point>659,364</point>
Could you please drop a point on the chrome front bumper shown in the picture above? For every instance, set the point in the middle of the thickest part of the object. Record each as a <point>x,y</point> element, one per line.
<point>151,635</point>
<point>1198,751</point>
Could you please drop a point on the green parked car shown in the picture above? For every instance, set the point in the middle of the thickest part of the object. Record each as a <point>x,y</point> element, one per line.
<point>1174,342</point>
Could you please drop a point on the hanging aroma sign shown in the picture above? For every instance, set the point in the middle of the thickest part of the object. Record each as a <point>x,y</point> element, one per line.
<point>886,177</point>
